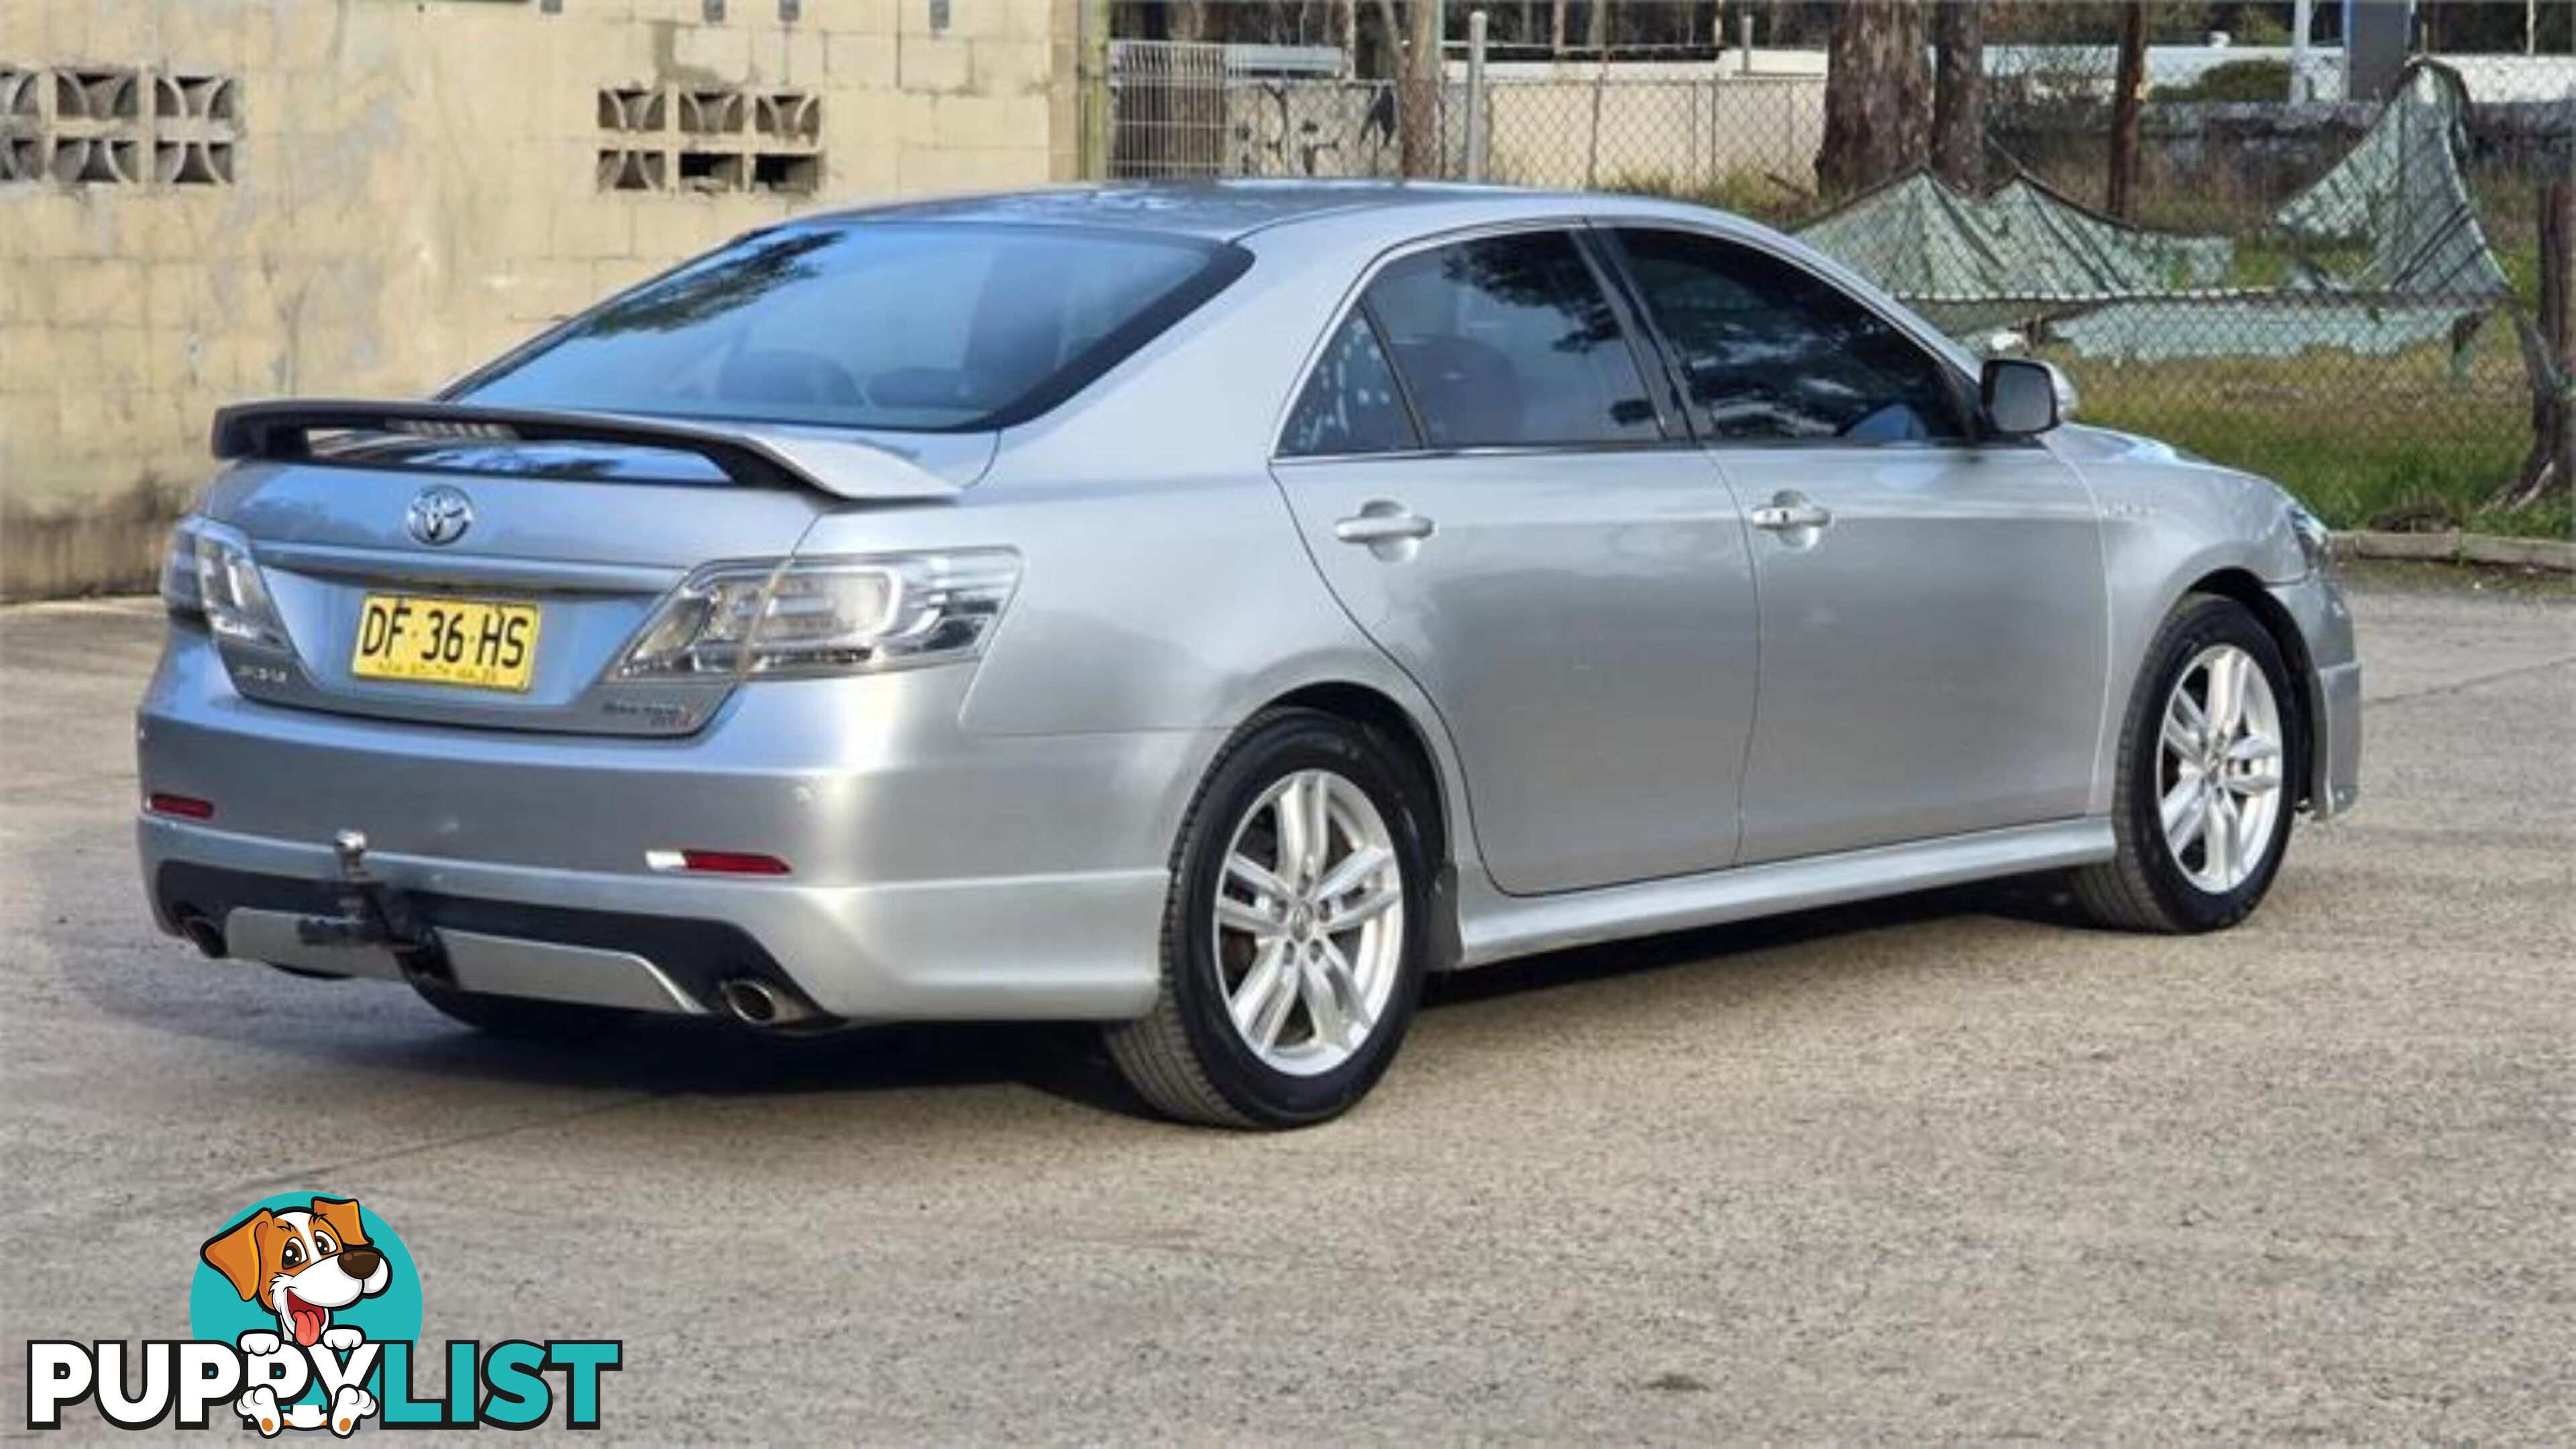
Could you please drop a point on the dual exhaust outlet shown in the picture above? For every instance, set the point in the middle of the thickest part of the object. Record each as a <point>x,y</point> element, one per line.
<point>747,999</point>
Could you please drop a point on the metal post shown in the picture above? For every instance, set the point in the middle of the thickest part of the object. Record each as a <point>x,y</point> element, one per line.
<point>1744,45</point>
<point>1476,95</point>
<point>2303,16</point>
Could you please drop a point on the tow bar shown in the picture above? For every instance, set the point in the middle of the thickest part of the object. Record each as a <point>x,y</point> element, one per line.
<point>373,914</point>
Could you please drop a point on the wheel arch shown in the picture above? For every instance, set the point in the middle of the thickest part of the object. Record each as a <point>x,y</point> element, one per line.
<point>1374,709</point>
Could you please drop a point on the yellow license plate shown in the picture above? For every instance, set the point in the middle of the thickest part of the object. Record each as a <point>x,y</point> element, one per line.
<point>430,640</point>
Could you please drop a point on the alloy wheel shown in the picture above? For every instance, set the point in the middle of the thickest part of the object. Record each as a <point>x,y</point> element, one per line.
<point>2220,775</point>
<point>1309,922</point>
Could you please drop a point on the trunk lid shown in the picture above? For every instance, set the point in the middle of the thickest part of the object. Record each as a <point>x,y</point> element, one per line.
<point>579,539</point>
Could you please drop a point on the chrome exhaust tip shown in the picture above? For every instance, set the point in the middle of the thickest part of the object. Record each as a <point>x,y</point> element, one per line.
<point>202,933</point>
<point>756,1003</point>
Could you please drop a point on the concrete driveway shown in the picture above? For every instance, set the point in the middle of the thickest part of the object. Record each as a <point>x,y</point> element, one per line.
<point>1939,1169</point>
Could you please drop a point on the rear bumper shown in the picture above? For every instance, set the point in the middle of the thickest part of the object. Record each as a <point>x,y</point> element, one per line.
<point>937,874</point>
<point>1078,946</point>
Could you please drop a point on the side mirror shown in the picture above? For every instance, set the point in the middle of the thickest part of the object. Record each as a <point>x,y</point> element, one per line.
<point>2020,396</point>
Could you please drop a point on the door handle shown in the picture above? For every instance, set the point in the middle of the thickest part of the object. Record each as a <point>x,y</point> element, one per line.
<point>1390,531</point>
<point>1374,528</point>
<point>1790,513</point>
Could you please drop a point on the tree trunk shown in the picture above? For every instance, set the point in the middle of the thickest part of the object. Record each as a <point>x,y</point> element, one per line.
<point>1556,27</point>
<point>2130,86</point>
<point>2550,357</point>
<point>1596,26</point>
<point>1878,94</point>
<point>1416,47</point>
<point>1959,93</point>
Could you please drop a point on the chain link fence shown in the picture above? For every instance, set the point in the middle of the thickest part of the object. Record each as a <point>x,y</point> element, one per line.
<point>2339,293</point>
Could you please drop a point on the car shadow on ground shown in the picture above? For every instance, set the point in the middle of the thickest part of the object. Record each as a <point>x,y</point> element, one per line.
<point>382,1030</point>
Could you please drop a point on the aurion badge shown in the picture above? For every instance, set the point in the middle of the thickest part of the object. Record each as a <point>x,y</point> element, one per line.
<point>440,515</point>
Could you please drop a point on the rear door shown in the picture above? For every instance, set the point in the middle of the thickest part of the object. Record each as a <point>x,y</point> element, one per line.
<point>1933,642</point>
<point>1484,476</point>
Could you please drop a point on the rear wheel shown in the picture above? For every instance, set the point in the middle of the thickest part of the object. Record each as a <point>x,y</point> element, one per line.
<point>1295,933</point>
<point>2205,792</point>
<point>523,1020</point>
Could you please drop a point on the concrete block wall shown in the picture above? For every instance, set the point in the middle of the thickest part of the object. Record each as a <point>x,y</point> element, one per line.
<point>414,186</point>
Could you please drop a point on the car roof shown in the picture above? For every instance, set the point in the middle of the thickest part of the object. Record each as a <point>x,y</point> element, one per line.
<point>1232,209</point>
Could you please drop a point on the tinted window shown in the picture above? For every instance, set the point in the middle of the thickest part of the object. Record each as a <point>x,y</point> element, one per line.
<point>1508,340</point>
<point>1350,404</point>
<point>891,325</point>
<point>1770,351</point>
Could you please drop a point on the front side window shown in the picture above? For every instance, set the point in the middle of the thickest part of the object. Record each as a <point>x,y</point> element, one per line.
<point>1350,405</point>
<point>1771,352</point>
<point>1508,341</point>
<point>899,325</point>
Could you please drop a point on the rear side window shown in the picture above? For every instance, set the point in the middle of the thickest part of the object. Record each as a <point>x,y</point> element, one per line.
<point>1350,404</point>
<point>896,325</point>
<point>1772,352</point>
<point>1508,341</point>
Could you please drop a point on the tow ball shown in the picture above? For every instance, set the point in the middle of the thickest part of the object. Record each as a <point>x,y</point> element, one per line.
<point>372,913</point>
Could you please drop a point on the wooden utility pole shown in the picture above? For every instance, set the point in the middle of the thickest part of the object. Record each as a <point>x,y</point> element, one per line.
<point>2130,85</point>
<point>1959,93</point>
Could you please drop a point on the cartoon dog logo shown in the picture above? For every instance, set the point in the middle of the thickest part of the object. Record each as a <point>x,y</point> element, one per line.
<point>300,1266</point>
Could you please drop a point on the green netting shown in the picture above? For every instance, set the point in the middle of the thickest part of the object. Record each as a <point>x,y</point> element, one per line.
<point>2163,330</point>
<point>2414,263</point>
<point>1925,242</point>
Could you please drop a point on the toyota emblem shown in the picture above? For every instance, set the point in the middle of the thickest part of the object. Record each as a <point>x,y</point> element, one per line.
<point>440,515</point>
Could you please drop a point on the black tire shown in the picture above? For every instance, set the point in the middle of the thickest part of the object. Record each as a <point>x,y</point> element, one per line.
<point>520,1019</point>
<point>1186,1058</point>
<point>2144,888</point>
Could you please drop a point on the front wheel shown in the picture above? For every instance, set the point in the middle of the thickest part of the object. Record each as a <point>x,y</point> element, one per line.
<point>2202,806</point>
<point>1295,933</point>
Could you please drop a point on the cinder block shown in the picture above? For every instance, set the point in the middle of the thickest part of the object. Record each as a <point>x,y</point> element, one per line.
<point>929,65</point>
<point>179,294</point>
<point>95,294</point>
<point>174,360</point>
<point>29,361</point>
<point>592,225</point>
<point>711,52</point>
<point>1013,67</point>
<point>792,55</point>
<point>865,61</point>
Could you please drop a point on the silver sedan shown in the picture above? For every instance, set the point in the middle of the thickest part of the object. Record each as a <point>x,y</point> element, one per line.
<point>1206,612</point>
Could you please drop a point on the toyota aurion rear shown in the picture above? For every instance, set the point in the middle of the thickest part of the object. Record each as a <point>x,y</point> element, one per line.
<point>1204,612</point>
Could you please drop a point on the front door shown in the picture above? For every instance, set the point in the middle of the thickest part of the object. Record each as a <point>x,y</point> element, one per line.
<point>1488,488</point>
<point>1933,637</point>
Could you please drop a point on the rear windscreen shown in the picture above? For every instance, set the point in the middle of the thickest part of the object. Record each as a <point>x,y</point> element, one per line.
<point>900,325</point>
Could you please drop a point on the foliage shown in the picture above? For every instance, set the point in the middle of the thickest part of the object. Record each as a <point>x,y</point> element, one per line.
<point>2234,80</point>
<point>2361,440</point>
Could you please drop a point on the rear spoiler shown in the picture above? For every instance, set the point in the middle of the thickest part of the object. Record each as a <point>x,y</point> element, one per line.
<point>751,455</point>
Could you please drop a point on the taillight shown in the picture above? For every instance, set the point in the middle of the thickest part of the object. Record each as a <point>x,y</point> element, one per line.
<point>209,572</point>
<point>184,807</point>
<point>806,617</point>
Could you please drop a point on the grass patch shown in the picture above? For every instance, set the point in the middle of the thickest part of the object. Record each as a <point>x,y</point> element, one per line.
<point>2364,441</point>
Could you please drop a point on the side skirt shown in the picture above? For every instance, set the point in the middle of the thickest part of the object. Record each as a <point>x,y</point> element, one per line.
<point>1495,927</point>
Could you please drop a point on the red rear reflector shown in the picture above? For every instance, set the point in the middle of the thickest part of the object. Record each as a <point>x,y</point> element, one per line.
<point>186,807</point>
<point>731,862</point>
